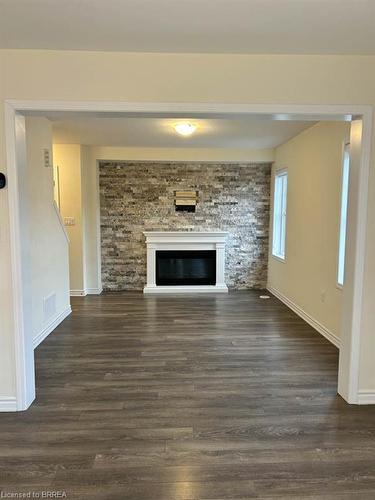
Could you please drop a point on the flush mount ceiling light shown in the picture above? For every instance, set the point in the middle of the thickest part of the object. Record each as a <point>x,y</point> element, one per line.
<point>185,128</point>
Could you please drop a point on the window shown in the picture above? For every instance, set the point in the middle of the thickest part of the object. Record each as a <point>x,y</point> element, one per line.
<point>279,214</point>
<point>343,215</point>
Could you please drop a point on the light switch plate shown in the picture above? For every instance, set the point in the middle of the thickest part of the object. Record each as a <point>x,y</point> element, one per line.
<point>69,221</point>
<point>47,157</point>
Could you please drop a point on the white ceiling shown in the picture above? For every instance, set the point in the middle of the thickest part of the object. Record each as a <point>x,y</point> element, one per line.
<point>243,132</point>
<point>220,26</point>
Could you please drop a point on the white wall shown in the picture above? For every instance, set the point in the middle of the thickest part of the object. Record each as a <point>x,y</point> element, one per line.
<point>96,153</point>
<point>308,277</point>
<point>183,154</point>
<point>91,222</point>
<point>183,78</point>
<point>48,247</point>
<point>79,194</point>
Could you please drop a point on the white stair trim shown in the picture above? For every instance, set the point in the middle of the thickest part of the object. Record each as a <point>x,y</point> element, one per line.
<point>57,211</point>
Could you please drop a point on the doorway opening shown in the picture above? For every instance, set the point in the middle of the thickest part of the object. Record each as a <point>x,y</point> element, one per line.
<point>360,119</point>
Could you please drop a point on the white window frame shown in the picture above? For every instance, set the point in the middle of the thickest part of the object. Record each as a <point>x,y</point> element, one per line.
<point>280,214</point>
<point>344,198</point>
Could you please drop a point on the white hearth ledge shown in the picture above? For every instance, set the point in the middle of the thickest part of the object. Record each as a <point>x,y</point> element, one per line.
<point>185,240</point>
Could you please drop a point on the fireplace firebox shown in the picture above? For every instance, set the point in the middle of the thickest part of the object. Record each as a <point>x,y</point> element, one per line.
<point>185,267</point>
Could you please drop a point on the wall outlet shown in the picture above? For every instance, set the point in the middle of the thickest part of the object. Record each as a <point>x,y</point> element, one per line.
<point>323,296</point>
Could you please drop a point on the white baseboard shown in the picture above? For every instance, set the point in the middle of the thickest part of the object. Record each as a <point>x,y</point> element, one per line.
<point>86,291</point>
<point>94,291</point>
<point>334,339</point>
<point>51,326</point>
<point>78,293</point>
<point>8,404</point>
<point>366,397</point>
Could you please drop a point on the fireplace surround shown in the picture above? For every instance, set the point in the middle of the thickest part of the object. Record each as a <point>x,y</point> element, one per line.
<point>185,261</point>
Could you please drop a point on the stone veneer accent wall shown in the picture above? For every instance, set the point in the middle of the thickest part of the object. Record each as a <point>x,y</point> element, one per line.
<point>137,196</point>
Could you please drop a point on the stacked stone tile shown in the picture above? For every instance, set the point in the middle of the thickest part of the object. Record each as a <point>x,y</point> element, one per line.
<point>137,197</point>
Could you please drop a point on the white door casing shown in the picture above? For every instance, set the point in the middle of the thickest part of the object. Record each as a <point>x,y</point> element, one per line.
<point>357,216</point>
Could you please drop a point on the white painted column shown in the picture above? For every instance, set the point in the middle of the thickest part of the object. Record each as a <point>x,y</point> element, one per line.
<point>151,265</point>
<point>352,318</point>
<point>220,264</point>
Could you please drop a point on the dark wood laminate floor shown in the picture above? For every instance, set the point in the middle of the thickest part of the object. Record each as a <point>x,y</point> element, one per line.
<point>208,397</point>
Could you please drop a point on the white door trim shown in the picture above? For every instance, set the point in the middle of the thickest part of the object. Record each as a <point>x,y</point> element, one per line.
<point>349,364</point>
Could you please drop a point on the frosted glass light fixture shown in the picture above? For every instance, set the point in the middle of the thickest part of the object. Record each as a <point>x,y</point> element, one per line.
<point>185,128</point>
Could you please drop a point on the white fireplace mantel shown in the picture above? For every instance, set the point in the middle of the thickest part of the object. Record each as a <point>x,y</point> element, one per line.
<point>185,240</point>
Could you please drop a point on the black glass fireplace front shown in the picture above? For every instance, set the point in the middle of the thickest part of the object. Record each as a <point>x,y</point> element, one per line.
<point>185,267</point>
